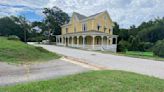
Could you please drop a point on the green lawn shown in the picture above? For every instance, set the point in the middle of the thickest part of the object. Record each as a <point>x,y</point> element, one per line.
<point>139,53</point>
<point>18,52</point>
<point>143,55</point>
<point>94,81</point>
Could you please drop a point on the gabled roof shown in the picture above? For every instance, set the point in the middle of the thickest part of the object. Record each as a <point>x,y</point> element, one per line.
<point>80,16</point>
<point>84,18</point>
<point>94,15</point>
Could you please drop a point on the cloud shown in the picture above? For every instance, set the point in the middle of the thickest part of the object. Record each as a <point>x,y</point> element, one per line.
<point>125,12</point>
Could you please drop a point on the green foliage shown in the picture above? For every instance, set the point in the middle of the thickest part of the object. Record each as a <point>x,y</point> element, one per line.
<point>158,49</point>
<point>152,34</point>
<point>134,43</point>
<point>13,37</point>
<point>12,25</point>
<point>123,46</point>
<point>54,19</point>
<point>18,52</point>
<point>94,81</point>
<point>141,38</point>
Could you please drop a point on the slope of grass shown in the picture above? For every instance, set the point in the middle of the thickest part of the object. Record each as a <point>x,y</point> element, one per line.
<point>19,52</point>
<point>94,81</point>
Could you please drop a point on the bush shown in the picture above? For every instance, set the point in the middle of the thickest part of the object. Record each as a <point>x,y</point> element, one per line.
<point>145,46</point>
<point>123,46</point>
<point>36,39</point>
<point>158,49</point>
<point>13,37</point>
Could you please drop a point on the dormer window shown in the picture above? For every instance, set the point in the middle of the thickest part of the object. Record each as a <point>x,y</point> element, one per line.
<point>105,17</point>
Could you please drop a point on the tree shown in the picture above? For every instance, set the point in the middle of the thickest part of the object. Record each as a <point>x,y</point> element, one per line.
<point>9,27</point>
<point>123,46</point>
<point>37,31</point>
<point>54,19</point>
<point>116,28</point>
<point>24,24</point>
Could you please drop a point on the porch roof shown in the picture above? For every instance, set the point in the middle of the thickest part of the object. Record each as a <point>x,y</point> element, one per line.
<point>88,33</point>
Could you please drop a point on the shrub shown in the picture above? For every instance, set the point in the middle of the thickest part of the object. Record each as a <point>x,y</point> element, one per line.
<point>13,37</point>
<point>158,49</point>
<point>145,46</point>
<point>123,46</point>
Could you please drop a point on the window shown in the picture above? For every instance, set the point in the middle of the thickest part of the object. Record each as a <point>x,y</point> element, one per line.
<point>98,27</point>
<point>84,27</point>
<point>66,30</point>
<point>105,17</point>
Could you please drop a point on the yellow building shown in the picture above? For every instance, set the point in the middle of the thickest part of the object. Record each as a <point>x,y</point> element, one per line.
<point>94,32</point>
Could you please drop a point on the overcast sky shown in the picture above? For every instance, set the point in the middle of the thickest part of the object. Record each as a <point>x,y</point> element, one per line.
<point>125,12</point>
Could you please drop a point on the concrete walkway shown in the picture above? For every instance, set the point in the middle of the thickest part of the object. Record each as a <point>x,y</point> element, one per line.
<point>13,74</point>
<point>108,61</point>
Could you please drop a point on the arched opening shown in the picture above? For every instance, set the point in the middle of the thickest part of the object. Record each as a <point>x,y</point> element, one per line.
<point>105,40</point>
<point>60,40</point>
<point>80,40</point>
<point>66,41</point>
<point>98,40</point>
<point>88,40</point>
<point>70,40</point>
<point>75,40</point>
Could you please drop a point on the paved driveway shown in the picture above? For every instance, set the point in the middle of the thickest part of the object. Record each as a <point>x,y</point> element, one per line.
<point>142,66</point>
<point>12,74</point>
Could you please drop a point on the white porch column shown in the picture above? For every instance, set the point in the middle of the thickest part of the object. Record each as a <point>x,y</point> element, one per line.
<point>65,41</point>
<point>116,40</point>
<point>56,40</point>
<point>72,41</point>
<point>107,41</point>
<point>77,41</point>
<point>83,41</point>
<point>102,41</point>
<point>93,42</point>
<point>111,40</point>
<point>68,40</point>
<point>62,40</point>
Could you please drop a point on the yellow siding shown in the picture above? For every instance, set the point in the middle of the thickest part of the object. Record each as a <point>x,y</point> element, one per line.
<point>91,24</point>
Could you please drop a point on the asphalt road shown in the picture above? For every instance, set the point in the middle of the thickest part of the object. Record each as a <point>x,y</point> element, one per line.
<point>114,62</point>
<point>13,74</point>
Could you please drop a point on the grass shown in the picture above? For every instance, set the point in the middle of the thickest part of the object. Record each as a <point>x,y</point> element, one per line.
<point>18,52</point>
<point>146,55</point>
<point>143,55</point>
<point>139,53</point>
<point>94,81</point>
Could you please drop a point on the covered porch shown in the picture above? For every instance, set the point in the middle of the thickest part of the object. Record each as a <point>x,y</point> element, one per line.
<point>89,40</point>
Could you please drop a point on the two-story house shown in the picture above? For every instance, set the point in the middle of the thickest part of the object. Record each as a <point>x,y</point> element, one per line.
<point>94,32</point>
